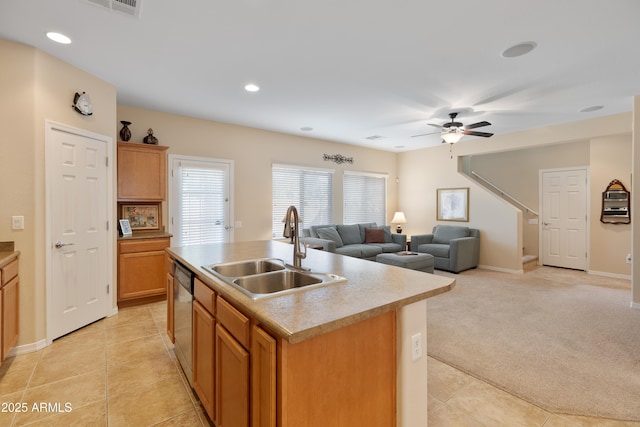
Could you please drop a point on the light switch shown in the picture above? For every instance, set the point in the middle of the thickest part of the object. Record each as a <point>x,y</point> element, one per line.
<point>17,222</point>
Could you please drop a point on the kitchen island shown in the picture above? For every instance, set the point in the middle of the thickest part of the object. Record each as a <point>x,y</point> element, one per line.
<point>349,353</point>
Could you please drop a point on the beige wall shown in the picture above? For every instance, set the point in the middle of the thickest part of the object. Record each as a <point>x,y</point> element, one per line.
<point>635,202</point>
<point>253,152</point>
<point>36,87</point>
<point>609,243</point>
<point>516,173</point>
<point>606,157</point>
<point>422,171</point>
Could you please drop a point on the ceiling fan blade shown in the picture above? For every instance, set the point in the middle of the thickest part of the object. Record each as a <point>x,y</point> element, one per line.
<point>431,124</point>
<point>477,125</point>
<point>474,133</point>
<point>425,134</point>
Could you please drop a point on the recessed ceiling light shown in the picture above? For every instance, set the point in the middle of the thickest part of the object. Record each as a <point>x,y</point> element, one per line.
<point>592,108</point>
<point>59,38</point>
<point>519,49</point>
<point>251,87</point>
<point>306,129</point>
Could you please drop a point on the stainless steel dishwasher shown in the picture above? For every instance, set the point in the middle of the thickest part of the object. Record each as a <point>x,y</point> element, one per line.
<point>183,318</point>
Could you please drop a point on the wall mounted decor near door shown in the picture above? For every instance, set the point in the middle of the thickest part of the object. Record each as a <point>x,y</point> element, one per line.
<point>616,206</point>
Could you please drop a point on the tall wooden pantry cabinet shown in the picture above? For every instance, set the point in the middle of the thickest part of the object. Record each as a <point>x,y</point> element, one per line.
<point>142,188</point>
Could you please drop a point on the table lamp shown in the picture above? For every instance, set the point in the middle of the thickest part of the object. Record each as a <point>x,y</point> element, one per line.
<point>399,218</point>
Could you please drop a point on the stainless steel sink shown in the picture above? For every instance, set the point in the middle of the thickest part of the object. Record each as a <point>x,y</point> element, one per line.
<point>248,268</point>
<point>260,278</point>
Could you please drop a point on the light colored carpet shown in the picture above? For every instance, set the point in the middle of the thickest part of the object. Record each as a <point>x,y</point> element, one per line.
<point>564,340</point>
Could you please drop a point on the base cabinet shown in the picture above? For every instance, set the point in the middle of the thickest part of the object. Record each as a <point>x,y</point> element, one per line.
<point>263,378</point>
<point>170,285</point>
<point>9,307</point>
<point>204,357</point>
<point>246,377</point>
<point>141,269</point>
<point>232,381</point>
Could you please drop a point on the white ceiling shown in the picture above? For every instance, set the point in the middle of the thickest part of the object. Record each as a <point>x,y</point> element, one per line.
<point>351,69</point>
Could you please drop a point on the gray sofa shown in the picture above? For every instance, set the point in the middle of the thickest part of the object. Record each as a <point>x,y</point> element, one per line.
<point>357,240</point>
<point>454,248</point>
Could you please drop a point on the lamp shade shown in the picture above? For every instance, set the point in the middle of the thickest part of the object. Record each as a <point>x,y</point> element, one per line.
<point>399,218</point>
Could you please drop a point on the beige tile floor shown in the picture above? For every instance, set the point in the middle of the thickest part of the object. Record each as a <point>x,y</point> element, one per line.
<point>121,371</point>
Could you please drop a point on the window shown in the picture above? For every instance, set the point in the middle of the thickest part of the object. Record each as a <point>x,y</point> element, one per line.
<point>200,205</point>
<point>365,197</point>
<point>309,190</point>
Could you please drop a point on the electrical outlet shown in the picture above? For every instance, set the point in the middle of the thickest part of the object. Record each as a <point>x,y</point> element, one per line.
<point>416,346</point>
<point>628,258</point>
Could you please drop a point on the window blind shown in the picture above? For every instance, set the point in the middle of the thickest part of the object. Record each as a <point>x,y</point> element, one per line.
<point>202,204</point>
<point>309,190</point>
<point>364,198</point>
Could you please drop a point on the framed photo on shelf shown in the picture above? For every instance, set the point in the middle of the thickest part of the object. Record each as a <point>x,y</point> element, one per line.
<point>142,216</point>
<point>452,204</point>
<point>125,227</point>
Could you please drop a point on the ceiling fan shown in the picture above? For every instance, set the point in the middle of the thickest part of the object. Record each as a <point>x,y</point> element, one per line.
<point>453,131</point>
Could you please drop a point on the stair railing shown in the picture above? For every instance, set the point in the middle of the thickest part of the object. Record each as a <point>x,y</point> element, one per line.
<point>504,193</point>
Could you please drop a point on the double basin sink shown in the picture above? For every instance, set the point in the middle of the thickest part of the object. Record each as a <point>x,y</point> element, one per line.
<point>259,278</point>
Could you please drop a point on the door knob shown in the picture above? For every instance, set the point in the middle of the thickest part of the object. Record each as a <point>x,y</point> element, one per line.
<point>60,244</point>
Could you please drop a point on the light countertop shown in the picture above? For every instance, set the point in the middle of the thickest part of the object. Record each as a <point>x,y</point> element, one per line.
<point>371,289</point>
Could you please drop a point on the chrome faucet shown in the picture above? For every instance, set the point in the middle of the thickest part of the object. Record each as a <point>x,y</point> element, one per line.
<point>291,230</point>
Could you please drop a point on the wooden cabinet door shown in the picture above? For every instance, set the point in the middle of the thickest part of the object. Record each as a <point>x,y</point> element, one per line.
<point>232,381</point>
<point>170,285</point>
<point>142,172</point>
<point>204,357</point>
<point>263,379</point>
<point>10,315</point>
<point>141,275</point>
<point>142,268</point>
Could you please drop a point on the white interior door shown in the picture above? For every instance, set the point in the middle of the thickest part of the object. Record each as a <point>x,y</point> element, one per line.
<point>79,253</point>
<point>564,218</point>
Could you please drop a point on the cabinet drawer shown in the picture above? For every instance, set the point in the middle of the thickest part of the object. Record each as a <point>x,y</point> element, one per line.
<point>204,295</point>
<point>9,271</point>
<point>169,264</point>
<point>144,245</point>
<point>235,322</point>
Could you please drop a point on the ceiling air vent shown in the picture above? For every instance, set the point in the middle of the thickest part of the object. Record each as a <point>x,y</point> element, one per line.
<point>130,7</point>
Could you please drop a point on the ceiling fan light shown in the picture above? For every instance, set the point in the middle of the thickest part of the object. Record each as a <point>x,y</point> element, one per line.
<point>452,137</point>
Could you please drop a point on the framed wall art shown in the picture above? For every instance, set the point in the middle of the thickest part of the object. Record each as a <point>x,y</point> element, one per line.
<point>452,204</point>
<point>142,216</point>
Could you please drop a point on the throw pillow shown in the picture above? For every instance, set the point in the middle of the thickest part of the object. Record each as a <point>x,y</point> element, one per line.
<point>330,233</point>
<point>350,234</point>
<point>387,234</point>
<point>374,235</point>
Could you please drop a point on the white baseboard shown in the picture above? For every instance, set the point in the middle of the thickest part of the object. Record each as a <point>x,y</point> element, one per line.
<point>612,275</point>
<point>635,305</point>
<point>28,348</point>
<point>503,270</point>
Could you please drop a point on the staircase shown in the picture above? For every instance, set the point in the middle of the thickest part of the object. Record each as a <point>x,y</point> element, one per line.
<point>529,262</point>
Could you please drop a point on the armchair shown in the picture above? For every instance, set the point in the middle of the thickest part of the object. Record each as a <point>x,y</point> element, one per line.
<point>454,248</point>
